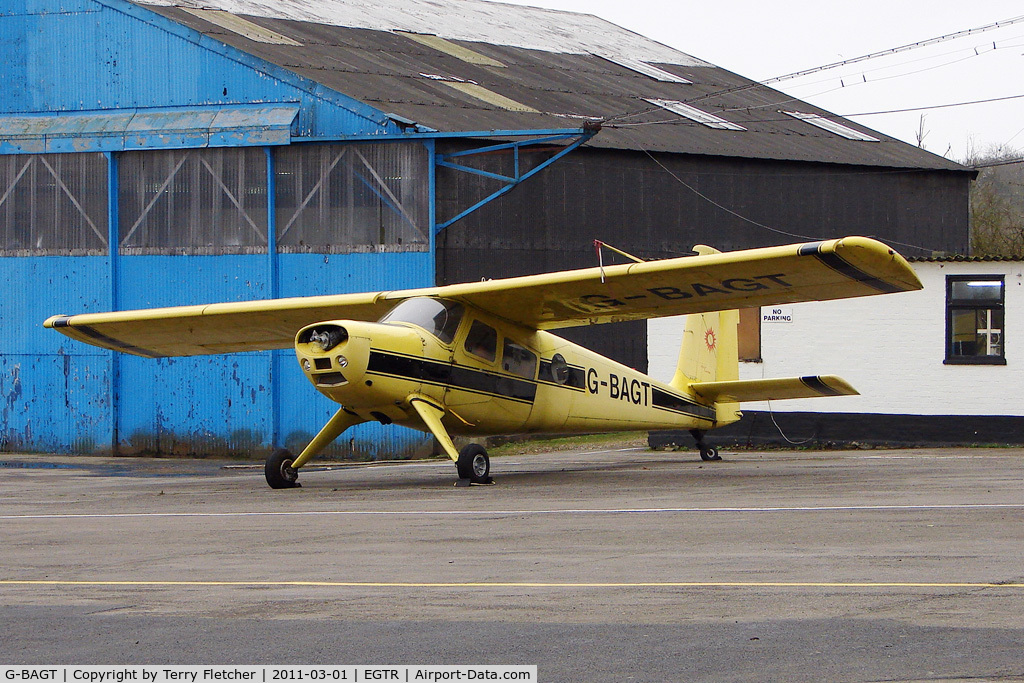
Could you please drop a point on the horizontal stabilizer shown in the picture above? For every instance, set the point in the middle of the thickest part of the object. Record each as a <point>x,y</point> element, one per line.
<point>737,391</point>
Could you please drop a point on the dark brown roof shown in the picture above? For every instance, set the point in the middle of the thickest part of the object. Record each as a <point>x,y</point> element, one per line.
<point>394,73</point>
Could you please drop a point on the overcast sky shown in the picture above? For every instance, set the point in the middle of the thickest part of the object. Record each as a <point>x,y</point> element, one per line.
<point>761,40</point>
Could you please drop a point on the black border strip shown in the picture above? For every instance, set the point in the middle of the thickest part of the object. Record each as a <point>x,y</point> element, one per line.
<point>576,380</point>
<point>680,404</point>
<point>447,374</point>
<point>815,383</point>
<point>109,342</point>
<point>847,269</point>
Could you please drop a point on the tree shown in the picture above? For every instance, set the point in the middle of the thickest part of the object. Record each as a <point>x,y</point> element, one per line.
<point>997,203</point>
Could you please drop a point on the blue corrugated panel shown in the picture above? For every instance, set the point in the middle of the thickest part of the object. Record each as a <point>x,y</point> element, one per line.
<point>55,392</point>
<point>175,127</point>
<point>130,58</point>
<point>303,409</point>
<point>206,404</point>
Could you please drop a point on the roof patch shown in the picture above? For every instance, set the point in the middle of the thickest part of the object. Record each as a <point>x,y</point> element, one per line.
<point>474,21</point>
<point>242,27</point>
<point>489,96</point>
<point>449,48</point>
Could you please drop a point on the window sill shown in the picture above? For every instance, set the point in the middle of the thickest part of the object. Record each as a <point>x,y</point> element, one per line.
<point>975,360</point>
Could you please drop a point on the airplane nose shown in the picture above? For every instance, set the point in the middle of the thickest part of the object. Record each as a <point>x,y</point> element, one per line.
<point>328,356</point>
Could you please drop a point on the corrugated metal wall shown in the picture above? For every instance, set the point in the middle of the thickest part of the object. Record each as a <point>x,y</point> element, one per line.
<point>75,55</point>
<point>58,395</point>
<point>190,226</point>
<point>629,200</point>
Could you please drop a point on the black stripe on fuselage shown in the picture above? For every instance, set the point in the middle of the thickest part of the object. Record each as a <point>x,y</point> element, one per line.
<point>847,269</point>
<point>576,379</point>
<point>680,404</point>
<point>814,383</point>
<point>448,374</point>
<point>106,341</point>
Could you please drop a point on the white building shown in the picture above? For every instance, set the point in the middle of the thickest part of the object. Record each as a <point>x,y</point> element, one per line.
<point>941,365</point>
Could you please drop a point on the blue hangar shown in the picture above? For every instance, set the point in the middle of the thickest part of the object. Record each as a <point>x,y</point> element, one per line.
<point>171,152</point>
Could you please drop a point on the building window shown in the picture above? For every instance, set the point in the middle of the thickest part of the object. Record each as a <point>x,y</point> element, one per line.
<point>193,201</point>
<point>355,197</point>
<point>974,320</point>
<point>53,204</point>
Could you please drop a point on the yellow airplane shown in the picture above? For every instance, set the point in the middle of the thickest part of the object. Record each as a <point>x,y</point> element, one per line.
<point>477,359</point>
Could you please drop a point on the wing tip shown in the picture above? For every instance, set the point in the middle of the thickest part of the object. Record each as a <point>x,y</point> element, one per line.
<point>829,385</point>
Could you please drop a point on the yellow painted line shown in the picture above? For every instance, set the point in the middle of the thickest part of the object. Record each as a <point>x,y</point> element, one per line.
<point>519,584</point>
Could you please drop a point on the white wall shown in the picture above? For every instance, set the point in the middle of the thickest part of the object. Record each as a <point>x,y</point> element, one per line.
<point>890,348</point>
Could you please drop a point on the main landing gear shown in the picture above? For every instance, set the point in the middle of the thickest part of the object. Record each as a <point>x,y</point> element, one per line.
<point>707,451</point>
<point>472,463</point>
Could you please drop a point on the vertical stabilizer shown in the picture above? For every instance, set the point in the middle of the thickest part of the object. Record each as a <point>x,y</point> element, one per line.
<point>709,352</point>
<point>709,349</point>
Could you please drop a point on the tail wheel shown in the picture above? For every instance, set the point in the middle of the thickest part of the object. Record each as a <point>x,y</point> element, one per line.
<point>279,471</point>
<point>473,464</point>
<point>709,453</point>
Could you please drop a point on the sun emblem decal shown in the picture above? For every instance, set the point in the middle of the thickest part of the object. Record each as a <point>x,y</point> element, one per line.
<point>709,340</point>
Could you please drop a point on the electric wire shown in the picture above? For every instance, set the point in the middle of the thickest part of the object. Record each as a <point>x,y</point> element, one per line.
<point>725,208</point>
<point>620,120</point>
<point>757,223</point>
<point>771,414</point>
<point>686,122</point>
<point>985,50</point>
<point>863,58</point>
<point>896,50</point>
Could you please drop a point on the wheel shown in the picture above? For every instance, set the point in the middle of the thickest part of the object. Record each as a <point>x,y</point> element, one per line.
<point>709,453</point>
<point>473,464</point>
<point>279,471</point>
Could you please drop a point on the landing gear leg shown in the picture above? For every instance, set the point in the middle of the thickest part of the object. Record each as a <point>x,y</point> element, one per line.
<point>282,469</point>
<point>707,451</point>
<point>472,462</point>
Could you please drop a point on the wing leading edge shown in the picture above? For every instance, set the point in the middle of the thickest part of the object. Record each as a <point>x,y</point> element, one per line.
<point>817,271</point>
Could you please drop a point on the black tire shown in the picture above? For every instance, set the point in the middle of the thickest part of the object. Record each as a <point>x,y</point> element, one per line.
<point>473,464</point>
<point>709,453</point>
<point>279,471</point>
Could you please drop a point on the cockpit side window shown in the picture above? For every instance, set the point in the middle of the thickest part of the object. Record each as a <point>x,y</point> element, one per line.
<point>518,360</point>
<point>439,317</point>
<point>482,341</point>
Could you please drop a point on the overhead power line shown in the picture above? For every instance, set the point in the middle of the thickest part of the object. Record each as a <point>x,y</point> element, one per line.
<point>863,58</point>
<point>1004,162</point>
<point>896,50</point>
<point>770,119</point>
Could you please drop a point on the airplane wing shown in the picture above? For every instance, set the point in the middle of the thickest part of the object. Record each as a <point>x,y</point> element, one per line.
<point>817,271</point>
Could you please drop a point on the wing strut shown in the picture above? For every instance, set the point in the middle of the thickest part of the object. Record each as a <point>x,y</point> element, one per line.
<point>431,415</point>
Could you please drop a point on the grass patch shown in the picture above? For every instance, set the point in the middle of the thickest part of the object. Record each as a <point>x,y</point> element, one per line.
<point>524,445</point>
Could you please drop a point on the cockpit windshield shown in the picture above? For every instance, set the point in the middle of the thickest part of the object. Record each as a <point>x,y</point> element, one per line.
<point>439,317</point>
